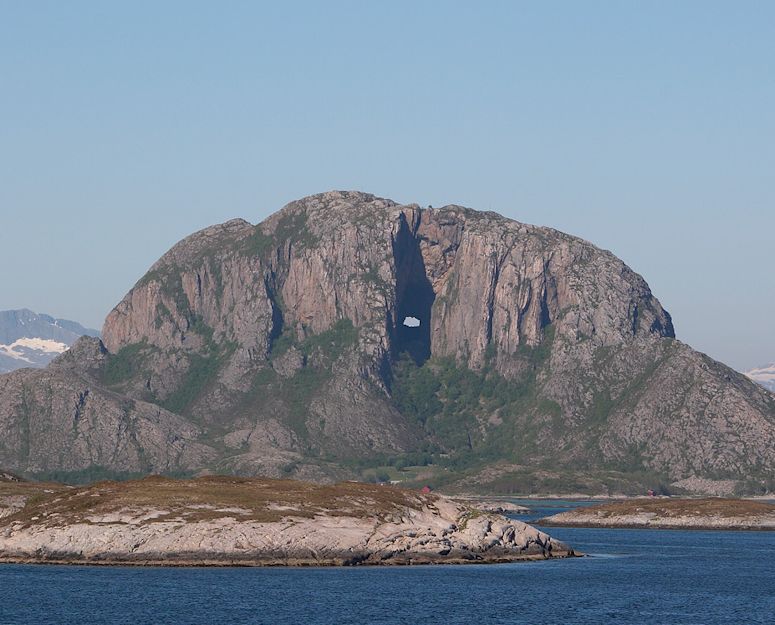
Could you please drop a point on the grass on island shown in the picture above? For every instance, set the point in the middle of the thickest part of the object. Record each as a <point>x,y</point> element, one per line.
<point>209,498</point>
<point>29,489</point>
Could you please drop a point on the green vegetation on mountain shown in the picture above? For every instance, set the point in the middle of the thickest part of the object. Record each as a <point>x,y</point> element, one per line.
<point>129,362</point>
<point>455,405</point>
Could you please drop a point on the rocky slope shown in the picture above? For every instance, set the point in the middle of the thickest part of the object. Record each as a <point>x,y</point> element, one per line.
<point>217,520</point>
<point>281,349</point>
<point>58,421</point>
<point>672,514</point>
<point>28,339</point>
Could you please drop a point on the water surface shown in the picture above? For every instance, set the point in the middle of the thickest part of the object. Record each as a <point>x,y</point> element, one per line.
<point>633,576</point>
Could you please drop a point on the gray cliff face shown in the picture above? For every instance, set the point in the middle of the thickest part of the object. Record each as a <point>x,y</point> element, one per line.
<point>283,346</point>
<point>473,279</point>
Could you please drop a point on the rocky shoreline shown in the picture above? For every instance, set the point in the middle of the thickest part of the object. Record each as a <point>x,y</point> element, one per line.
<point>671,514</point>
<point>220,521</point>
<point>493,505</point>
<point>195,561</point>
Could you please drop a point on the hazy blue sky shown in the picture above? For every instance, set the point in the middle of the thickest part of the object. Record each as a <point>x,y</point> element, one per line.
<point>645,127</point>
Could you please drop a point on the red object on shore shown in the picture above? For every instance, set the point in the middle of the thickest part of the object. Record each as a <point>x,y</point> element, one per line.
<point>651,492</point>
<point>426,489</point>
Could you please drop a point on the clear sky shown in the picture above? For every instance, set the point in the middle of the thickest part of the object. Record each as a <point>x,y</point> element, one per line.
<point>645,127</point>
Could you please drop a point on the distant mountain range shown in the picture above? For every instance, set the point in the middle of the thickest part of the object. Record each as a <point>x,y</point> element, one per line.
<point>29,339</point>
<point>764,375</point>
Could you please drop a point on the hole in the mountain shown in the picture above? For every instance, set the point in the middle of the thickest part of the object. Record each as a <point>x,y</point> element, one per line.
<point>414,298</point>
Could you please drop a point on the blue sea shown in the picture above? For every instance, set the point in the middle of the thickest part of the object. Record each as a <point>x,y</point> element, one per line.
<point>630,576</point>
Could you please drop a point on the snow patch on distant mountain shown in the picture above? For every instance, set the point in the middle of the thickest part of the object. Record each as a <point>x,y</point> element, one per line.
<point>764,375</point>
<point>28,339</point>
<point>27,348</point>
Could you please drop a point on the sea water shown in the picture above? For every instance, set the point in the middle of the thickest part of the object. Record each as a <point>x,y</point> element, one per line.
<point>630,576</point>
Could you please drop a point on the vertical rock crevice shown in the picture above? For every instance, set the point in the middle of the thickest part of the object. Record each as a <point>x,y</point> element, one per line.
<point>414,297</point>
<point>277,320</point>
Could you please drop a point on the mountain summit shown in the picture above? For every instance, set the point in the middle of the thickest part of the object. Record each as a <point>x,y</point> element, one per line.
<point>351,336</point>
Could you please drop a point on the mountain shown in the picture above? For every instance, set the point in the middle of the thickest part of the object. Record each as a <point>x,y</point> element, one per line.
<point>28,339</point>
<point>533,361</point>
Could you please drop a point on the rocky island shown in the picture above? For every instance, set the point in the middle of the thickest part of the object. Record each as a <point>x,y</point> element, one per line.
<point>709,513</point>
<point>226,521</point>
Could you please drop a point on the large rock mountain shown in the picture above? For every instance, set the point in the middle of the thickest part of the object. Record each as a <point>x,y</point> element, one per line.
<point>29,339</point>
<point>284,349</point>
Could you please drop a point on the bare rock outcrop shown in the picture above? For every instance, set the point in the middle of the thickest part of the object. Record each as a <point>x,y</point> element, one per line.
<point>55,421</point>
<point>219,520</point>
